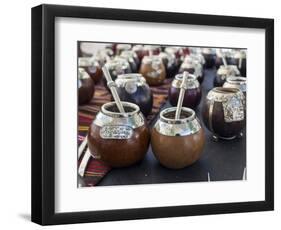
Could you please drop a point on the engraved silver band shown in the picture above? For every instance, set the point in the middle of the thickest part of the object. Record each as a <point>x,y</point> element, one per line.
<point>233,103</point>
<point>133,119</point>
<point>180,127</point>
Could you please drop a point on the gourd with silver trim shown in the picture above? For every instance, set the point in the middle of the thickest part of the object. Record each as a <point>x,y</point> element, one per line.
<point>86,87</point>
<point>177,143</point>
<point>228,54</point>
<point>194,67</point>
<point>223,73</point>
<point>192,94</point>
<point>86,49</point>
<point>210,57</point>
<point>153,70</point>
<point>116,67</point>
<point>176,51</point>
<point>169,61</point>
<point>139,50</point>
<point>133,88</point>
<point>239,59</point>
<point>224,112</point>
<point>151,50</point>
<point>92,67</point>
<point>122,47</point>
<point>132,58</point>
<point>120,140</point>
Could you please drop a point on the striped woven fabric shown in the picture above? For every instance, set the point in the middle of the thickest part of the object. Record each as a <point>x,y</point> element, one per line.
<point>96,169</point>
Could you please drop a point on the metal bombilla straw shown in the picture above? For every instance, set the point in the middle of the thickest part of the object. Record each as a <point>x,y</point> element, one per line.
<point>240,60</point>
<point>181,96</point>
<point>223,58</point>
<point>112,86</point>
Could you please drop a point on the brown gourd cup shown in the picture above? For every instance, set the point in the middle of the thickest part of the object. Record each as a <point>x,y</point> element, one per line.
<point>92,66</point>
<point>177,143</point>
<point>224,113</point>
<point>153,70</point>
<point>86,87</point>
<point>223,73</point>
<point>119,139</point>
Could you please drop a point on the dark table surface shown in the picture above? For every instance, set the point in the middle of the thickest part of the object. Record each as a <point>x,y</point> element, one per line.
<point>223,160</point>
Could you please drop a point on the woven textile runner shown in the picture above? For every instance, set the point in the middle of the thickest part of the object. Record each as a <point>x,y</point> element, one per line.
<point>97,169</point>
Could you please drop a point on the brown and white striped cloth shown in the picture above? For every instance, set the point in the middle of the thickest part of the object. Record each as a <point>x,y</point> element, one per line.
<point>97,169</point>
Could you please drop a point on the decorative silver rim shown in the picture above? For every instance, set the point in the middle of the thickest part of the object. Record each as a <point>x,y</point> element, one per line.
<point>192,82</point>
<point>221,94</point>
<point>130,81</point>
<point>180,127</point>
<point>178,121</point>
<point>155,60</point>
<point>132,119</point>
<point>106,106</point>
<point>236,80</point>
<point>129,77</point>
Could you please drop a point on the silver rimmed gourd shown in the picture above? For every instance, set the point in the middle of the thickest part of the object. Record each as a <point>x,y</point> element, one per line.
<point>116,67</point>
<point>86,49</point>
<point>240,59</point>
<point>122,47</point>
<point>224,112</point>
<point>151,49</point>
<point>169,61</point>
<point>133,88</point>
<point>132,58</point>
<point>192,94</point>
<point>86,87</point>
<point>153,70</point>
<point>223,73</point>
<point>92,67</point>
<point>177,143</point>
<point>210,57</point>
<point>120,139</point>
<point>227,54</point>
<point>176,51</point>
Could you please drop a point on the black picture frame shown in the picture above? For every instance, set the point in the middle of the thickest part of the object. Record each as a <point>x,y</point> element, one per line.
<point>43,113</point>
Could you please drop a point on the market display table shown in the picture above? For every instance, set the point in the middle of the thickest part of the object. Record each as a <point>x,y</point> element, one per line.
<point>222,160</point>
